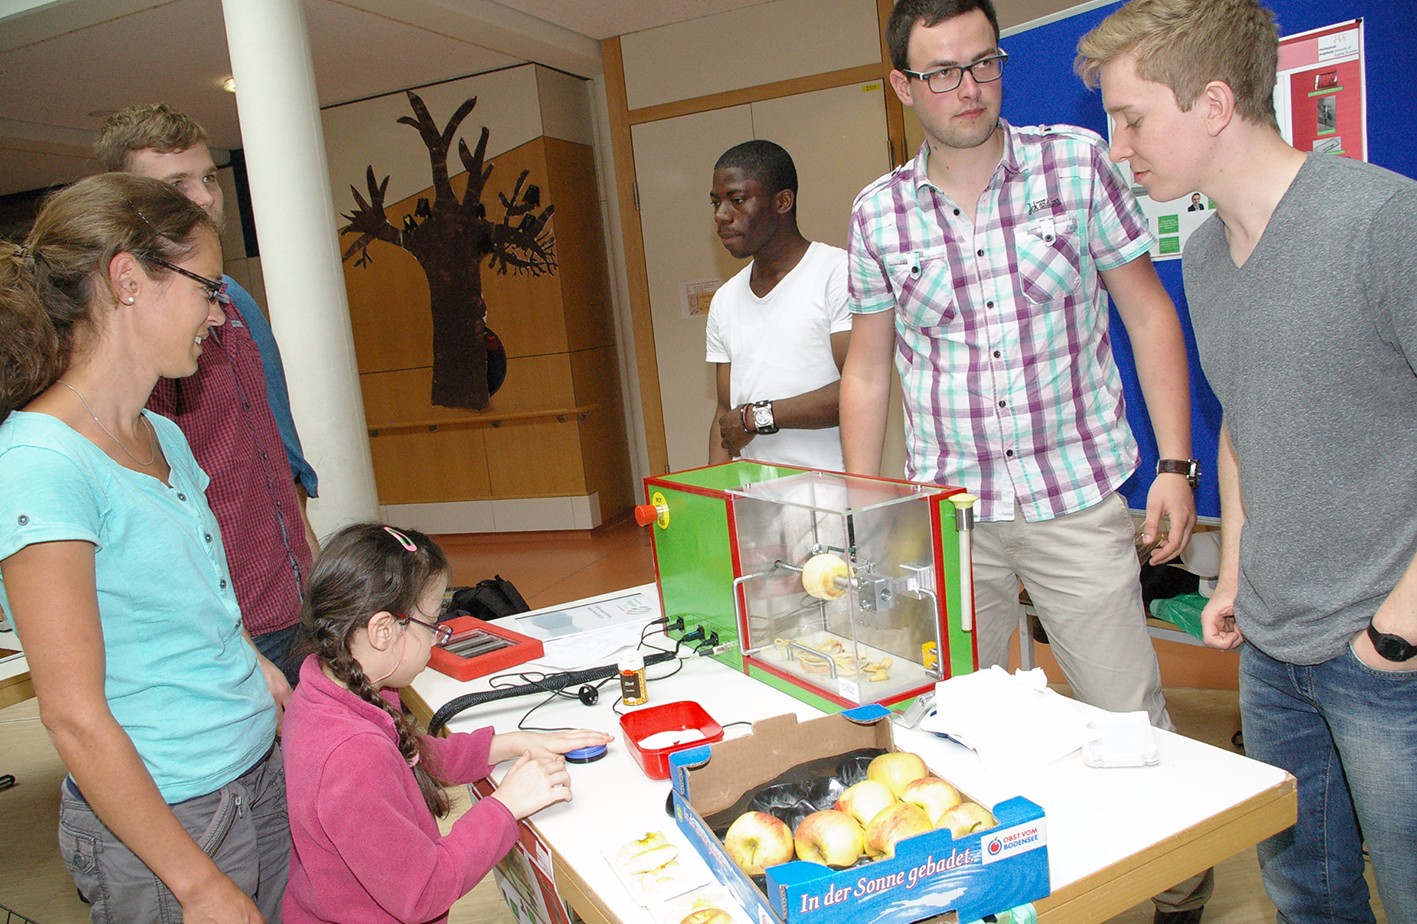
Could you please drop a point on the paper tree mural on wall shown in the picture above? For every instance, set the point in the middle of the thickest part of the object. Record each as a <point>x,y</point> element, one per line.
<point>450,239</point>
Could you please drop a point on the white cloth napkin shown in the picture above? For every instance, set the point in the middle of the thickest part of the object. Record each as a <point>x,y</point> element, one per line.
<point>1012,721</point>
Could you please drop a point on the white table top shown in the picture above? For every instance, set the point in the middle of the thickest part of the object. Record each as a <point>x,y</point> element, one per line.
<point>1096,818</point>
<point>13,665</point>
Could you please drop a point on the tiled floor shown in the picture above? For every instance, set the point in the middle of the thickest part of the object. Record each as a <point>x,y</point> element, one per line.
<point>548,568</point>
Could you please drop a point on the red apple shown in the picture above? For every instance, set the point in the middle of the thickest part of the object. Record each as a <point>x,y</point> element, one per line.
<point>932,794</point>
<point>830,838</point>
<point>757,840</point>
<point>966,818</point>
<point>892,825</point>
<point>864,800</point>
<point>896,769</point>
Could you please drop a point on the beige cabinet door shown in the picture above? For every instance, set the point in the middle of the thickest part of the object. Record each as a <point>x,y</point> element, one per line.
<point>837,138</point>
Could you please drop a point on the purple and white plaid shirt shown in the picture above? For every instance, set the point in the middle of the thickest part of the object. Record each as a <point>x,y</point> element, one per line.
<point>1001,325</point>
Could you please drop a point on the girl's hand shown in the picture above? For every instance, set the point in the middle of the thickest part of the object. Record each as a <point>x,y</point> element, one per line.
<point>561,742</point>
<point>533,783</point>
<point>543,744</point>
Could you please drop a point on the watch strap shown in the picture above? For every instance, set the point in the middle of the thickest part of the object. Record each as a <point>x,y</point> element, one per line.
<point>1391,647</point>
<point>1191,468</point>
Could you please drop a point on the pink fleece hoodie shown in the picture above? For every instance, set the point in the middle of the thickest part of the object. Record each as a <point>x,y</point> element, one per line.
<point>364,846</point>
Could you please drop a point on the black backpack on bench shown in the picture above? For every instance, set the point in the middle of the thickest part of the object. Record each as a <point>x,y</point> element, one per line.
<point>490,599</point>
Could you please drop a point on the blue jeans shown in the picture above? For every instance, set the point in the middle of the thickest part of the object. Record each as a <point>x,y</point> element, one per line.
<point>276,647</point>
<point>1348,734</point>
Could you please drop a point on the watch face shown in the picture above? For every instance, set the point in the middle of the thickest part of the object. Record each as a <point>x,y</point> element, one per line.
<point>762,418</point>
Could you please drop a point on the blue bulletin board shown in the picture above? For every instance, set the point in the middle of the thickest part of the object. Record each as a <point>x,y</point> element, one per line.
<point>1040,87</point>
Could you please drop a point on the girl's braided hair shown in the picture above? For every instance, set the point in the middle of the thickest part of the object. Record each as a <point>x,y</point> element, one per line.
<point>362,570</point>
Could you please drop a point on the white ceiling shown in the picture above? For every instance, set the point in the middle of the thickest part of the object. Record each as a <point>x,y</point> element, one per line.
<point>65,64</point>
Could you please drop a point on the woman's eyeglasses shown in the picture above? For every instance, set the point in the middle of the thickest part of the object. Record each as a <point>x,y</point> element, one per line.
<point>212,287</point>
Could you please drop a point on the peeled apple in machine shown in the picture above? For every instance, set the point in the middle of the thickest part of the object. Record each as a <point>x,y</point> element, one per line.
<point>820,574</point>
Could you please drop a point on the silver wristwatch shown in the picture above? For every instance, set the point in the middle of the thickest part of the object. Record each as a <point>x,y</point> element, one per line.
<point>762,417</point>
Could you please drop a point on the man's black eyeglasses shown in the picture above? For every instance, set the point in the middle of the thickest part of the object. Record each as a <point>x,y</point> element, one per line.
<point>948,79</point>
<point>213,287</point>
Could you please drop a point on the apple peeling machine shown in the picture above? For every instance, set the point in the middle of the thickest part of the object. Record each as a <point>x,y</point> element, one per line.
<point>837,589</point>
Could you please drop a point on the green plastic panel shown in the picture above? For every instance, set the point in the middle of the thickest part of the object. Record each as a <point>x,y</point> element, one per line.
<point>726,477</point>
<point>695,552</point>
<point>961,655</point>
<point>696,566</point>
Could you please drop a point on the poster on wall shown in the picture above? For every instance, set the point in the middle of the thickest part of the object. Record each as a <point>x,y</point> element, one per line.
<point>1320,101</point>
<point>1321,96</point>
<point>695,297</point>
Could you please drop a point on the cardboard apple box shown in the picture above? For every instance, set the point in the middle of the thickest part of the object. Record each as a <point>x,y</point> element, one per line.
<point>931,874</point>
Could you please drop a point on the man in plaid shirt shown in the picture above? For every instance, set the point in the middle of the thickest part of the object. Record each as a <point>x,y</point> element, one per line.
<point>235,411</point>
<point>983,267</point>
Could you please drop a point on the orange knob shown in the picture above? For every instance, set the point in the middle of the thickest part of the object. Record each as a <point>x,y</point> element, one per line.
<point>656,511</point>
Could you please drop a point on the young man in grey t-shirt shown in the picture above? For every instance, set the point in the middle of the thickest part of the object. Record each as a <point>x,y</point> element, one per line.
<point>1302,288</point>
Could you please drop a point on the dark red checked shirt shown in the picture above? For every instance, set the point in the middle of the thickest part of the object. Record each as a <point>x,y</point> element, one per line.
<point>222,410</point>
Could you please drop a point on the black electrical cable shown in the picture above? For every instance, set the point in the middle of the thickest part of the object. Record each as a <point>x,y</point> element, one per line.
<point>521,723</point>
<point>549,682</point>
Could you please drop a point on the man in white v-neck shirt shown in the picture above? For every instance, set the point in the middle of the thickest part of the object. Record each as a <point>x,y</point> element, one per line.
<point>778,330</point>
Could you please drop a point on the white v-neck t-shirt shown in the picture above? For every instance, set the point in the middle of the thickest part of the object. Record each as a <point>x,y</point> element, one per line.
<point>779,347</point>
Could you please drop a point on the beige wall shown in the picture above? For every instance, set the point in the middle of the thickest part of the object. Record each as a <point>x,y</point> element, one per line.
<point>551,451</point>
<point>750,47</point>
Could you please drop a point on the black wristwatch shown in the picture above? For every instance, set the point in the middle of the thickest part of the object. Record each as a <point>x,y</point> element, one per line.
<point>1191,468</point>
<point>762,417</point>
<point>1391,647</point>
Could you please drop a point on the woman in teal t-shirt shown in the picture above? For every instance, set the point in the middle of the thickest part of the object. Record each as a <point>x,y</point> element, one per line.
<point>114,569</point>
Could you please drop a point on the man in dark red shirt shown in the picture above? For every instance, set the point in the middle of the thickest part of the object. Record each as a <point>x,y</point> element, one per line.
<point>224,409</point>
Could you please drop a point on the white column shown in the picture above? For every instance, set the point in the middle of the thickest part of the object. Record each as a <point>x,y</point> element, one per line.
<point>300,257</point>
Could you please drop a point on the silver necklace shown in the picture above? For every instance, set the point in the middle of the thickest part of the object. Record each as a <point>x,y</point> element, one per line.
<point>152,442</point>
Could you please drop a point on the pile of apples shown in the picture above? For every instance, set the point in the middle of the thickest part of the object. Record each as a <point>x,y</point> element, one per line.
<point>898,799</point>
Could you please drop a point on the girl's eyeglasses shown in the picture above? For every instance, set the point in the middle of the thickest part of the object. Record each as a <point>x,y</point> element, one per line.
<point>442,632</point>
<point>212,287</point>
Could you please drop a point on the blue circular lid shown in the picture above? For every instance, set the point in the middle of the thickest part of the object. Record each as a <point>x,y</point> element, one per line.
<point>586,755</point>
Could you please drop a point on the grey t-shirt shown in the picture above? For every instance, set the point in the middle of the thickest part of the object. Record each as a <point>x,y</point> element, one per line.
<point>1311,347</point>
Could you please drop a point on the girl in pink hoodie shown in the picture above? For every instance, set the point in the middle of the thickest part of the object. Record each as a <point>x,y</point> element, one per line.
<point>363,785</point>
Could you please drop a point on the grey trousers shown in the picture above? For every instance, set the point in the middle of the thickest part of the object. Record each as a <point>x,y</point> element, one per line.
<point>242,826</point>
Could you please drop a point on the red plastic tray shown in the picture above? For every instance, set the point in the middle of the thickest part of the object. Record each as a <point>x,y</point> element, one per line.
<point>502,648</point>
<point>669,717</point>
